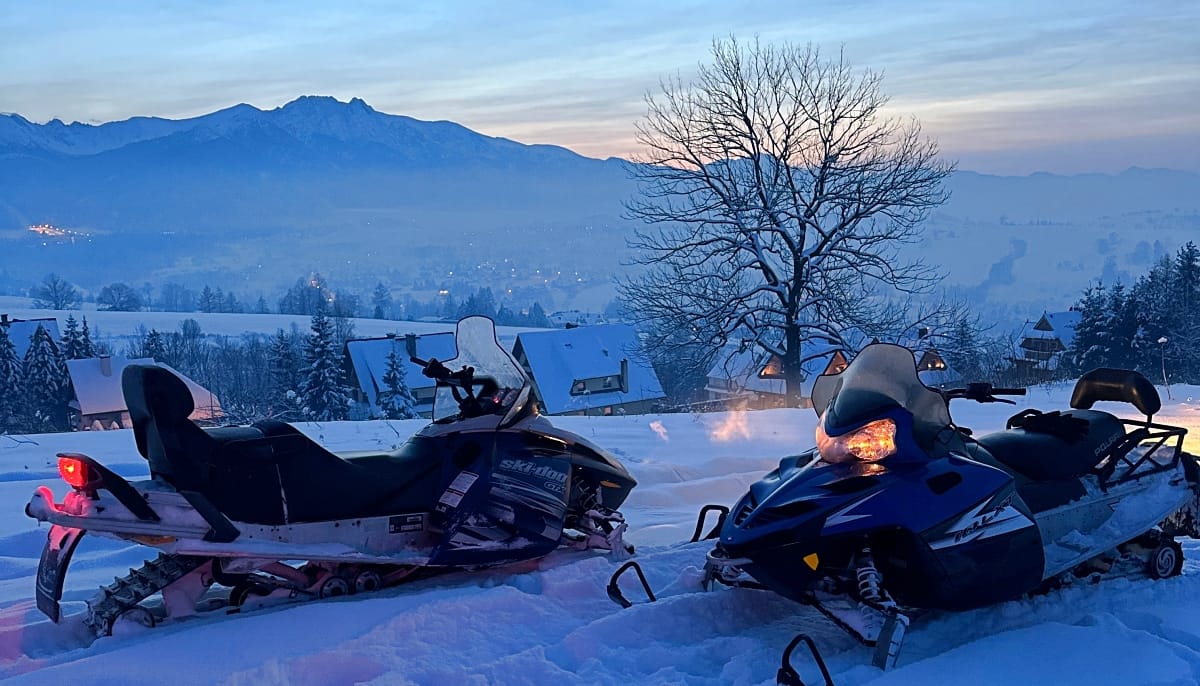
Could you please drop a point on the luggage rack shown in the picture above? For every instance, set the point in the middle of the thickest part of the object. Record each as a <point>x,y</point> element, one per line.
<point>1123,463</point>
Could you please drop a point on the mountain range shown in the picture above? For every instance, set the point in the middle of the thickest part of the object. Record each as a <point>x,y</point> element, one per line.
<point>259,195</point>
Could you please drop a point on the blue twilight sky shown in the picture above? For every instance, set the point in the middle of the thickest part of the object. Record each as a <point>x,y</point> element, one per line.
<point>1013,87</point>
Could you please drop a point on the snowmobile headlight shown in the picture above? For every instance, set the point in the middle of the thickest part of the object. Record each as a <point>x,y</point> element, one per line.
<point>870,443</point>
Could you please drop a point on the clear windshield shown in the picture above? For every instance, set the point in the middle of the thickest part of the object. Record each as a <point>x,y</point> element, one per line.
<point>500,383</point>
<point>883,373</point>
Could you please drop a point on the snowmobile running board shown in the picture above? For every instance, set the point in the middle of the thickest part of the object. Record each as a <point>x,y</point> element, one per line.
<point>788,676</point>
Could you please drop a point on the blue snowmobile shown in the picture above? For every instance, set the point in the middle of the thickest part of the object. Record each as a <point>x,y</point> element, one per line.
<point>898,510</point>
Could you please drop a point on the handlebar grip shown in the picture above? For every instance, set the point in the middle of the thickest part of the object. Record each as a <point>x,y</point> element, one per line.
<point>1008,391</point>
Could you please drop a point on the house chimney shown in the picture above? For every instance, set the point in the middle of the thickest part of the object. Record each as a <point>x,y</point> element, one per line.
<point>4,319</point>
<point>106,365</point>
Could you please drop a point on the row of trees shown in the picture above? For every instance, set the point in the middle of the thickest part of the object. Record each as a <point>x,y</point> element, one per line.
<point>304,376</point>
<point>1153,326</point>
<point>305,297</point>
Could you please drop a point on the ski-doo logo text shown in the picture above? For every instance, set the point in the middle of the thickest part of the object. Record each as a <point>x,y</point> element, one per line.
<point>532,468</point>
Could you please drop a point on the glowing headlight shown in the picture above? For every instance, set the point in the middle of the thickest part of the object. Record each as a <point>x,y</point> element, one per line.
<point>871,443</point>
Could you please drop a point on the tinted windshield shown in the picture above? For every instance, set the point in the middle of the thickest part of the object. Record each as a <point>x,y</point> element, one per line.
<point>883,375</point>
<point>477,346</point>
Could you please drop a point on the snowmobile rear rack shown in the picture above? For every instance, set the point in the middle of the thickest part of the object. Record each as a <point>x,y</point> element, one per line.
<point>788,676</point>
<point>702,518</point>
<point>1122,465</point>
<point>614,590</point>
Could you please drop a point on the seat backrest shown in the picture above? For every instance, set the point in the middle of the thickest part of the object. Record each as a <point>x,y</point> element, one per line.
<point>159,404</point>
<point>1121,385</point>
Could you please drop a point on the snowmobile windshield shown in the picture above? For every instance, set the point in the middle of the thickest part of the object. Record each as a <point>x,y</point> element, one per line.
<point>880,378</point>
<point>500,386</point>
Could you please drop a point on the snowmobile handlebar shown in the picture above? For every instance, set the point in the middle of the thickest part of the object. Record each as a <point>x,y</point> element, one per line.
<point>982,392</point>
<point>437,371</point>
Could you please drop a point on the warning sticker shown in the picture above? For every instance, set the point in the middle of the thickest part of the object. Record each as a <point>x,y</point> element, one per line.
<point>457,489</point>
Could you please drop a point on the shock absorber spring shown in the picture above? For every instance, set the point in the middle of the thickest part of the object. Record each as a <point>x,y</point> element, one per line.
<point>870,581</point>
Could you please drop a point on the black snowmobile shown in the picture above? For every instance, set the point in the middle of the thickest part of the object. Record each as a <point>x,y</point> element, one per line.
<point>899,510</point>
<point>489,482</point>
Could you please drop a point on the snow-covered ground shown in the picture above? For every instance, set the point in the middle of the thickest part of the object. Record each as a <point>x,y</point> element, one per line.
<point>552,623</point>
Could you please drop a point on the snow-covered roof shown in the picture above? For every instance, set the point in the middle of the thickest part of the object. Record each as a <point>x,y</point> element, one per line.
<point>741,369</point>
<point>368,357</point>
<point>557,359</point>
<point>97,383</point>
<point>22,330</point>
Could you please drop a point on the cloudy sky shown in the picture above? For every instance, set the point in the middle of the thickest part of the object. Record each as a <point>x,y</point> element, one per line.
<point>1039,85</point>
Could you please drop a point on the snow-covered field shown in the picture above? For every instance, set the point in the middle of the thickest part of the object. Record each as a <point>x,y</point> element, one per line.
<point>553,623</point>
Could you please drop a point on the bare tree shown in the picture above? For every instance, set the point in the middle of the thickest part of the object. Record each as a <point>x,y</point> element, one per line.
<point>119,297</point>
<point>55,293</point>
<point>780,194</point>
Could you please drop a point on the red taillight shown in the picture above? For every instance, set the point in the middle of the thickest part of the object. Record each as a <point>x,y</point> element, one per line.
<point>75,472</point>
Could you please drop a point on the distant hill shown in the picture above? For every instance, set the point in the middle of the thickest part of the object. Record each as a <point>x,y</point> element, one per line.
<point>313,163</point>
<point>252,199</point>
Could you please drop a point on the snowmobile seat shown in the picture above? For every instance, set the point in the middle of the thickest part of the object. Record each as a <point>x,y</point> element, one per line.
<point>320,486</point>
<point>1039,496</point>
<point>219,463</point>
<point>1121,385</point>
<point>1049,456</point>
<point>269,473</point>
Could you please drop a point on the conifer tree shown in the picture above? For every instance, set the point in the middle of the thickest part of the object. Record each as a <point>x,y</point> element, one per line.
<point>72,340</point>
<point>86,348</point>
<point>10,385</point>
<point>395,399</point>
<point>1088,348</point>
<point>283,373</point>
<point>323,395</point>
<point>46,383</point>
<point>154,347</point>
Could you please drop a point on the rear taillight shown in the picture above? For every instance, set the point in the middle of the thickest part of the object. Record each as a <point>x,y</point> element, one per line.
<point>77,473</point>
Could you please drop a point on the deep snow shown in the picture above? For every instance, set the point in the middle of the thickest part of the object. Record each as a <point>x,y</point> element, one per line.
<point>553,623</point>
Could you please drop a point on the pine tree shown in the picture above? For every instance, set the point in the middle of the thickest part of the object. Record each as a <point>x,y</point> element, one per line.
<point>963,351</point>
<point>153,347</point>
<point>72,346</point>
<point>381,300</point>
<point>46,383</point>
<point>395,399</point>
<point>1185,327</point>
<point>10,385</point>
<point>1088,348</point>
<point>1120,329</point>
<point>322,393</point>
<point>283,371</point>
<point>87,349</point>
<point>1155,316</point>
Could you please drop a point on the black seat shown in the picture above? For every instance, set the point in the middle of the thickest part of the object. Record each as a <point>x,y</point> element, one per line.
<point>320,486</point>
<point>270,473</point>
<point>1121,385</point>
<point>1046,456</point>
